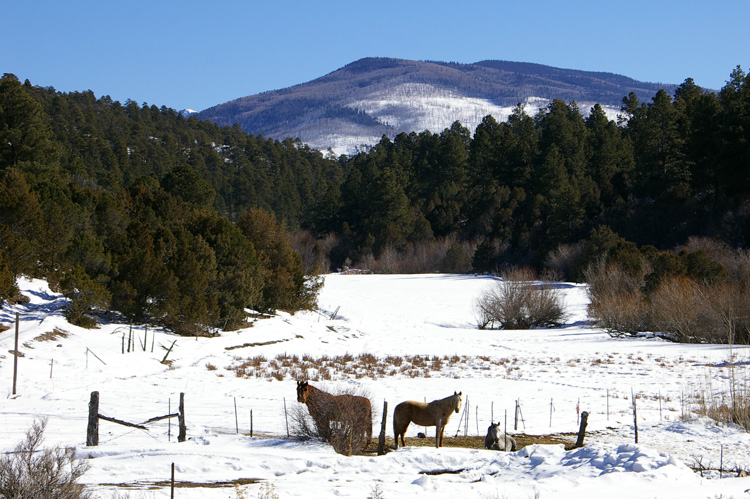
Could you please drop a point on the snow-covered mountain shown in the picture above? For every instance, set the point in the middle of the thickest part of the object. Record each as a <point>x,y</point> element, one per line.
<point>352,108</point>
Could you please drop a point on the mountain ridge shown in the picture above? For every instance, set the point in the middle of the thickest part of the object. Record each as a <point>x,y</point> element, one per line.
<point>351,108</point>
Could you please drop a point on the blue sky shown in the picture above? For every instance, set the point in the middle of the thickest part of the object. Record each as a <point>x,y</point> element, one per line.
<point>191,54</point>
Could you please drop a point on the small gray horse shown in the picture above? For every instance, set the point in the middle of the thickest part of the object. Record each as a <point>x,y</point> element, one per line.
<point>495,441</point>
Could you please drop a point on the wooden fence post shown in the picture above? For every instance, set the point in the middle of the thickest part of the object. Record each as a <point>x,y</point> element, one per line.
<point>181,419</point>
<point>15,357</point>
<point>286,417</point>
<point>92,433</point>
<point>381,438</point>
<point>167,354</point>
<point>635,415</point>
<point>582,429</point>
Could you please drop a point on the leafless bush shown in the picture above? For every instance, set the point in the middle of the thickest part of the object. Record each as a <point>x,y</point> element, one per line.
<point>520,302</point>
<point>301,424</point>
<point>563,258</point>
<point>31,472</point>
<point>387,262</point>
<point>728,313</point>
<point>314,252</point>
<point>616,301</point>
<point>676,309</point>
<point>442,255</point>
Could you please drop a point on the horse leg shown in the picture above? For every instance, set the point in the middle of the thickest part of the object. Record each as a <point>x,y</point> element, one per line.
<point>399,429</point>
<point>442,430</point>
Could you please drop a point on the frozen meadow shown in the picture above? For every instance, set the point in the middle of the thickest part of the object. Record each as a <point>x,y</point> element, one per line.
<point>422,331</point>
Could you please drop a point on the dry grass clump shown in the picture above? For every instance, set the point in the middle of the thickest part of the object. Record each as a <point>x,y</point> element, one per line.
<point>726,409</point>
<point>348,366</point>
<point>52,335</point>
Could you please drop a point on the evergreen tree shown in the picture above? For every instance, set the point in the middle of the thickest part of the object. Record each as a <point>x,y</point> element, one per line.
<point>285,285</point>
<point>24,137</point>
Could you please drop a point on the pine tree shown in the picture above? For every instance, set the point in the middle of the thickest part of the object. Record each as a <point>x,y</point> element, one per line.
<point>24,136</point>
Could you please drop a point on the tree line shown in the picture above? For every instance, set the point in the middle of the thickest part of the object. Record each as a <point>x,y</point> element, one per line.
<point>178,221</point>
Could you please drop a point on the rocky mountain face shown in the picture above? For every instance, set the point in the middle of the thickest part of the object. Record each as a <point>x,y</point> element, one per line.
<point>351,108</point>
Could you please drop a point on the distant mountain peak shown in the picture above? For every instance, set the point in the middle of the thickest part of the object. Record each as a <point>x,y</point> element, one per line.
<point>353,107</point>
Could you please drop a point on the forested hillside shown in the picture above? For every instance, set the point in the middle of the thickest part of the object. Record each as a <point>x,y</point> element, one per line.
<point>140,210</point>
<point>178,221</point>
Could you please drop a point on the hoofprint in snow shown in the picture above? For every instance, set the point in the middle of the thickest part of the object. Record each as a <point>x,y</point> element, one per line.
<point>551,375</point>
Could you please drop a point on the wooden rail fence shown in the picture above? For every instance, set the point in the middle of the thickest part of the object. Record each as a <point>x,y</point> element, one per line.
<point>92,432</point>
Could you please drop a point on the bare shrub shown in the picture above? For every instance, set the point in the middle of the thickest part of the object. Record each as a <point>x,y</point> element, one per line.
<point>676,309</point>
<point>563,258</point>
<point>422,257</point>
<point>728,313</point>
<point>520,302</point>
<point>33,472</point>
<point>301,424</point>
<point>616,301</point>
<point>442,255</point>
<point>314,252</point>
<point>387,261</point>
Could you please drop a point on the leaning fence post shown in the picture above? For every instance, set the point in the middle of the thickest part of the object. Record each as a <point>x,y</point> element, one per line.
<point>167,354</point>
<point>582,429</point>
<point>92,433</point>
<point>181,419</point>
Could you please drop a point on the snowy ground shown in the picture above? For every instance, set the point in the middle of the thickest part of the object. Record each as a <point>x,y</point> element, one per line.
<point>551,374</point>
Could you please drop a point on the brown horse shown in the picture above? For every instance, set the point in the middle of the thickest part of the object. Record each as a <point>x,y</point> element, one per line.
<point>436,413</point>
<point>335,412</point>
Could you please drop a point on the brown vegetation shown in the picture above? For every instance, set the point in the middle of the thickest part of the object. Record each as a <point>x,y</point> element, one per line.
<point>519,301</point>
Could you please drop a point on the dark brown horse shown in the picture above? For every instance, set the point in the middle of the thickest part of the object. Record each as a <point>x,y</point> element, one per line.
<point>335,412</point>
<point>436,413</point>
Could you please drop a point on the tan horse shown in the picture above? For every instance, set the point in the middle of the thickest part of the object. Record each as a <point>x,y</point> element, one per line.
<point>331,411</point>
<point>436,413</point>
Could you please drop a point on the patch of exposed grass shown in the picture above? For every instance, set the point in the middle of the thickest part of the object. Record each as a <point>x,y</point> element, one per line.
<point>52,335</point>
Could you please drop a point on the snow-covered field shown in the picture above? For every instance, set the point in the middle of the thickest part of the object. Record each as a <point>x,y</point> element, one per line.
<point>551,374</point>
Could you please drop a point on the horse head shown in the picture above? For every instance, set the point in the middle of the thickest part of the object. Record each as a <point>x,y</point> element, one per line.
<point>457,399</point>
<point>494,431</point>
<point>303,390</point>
